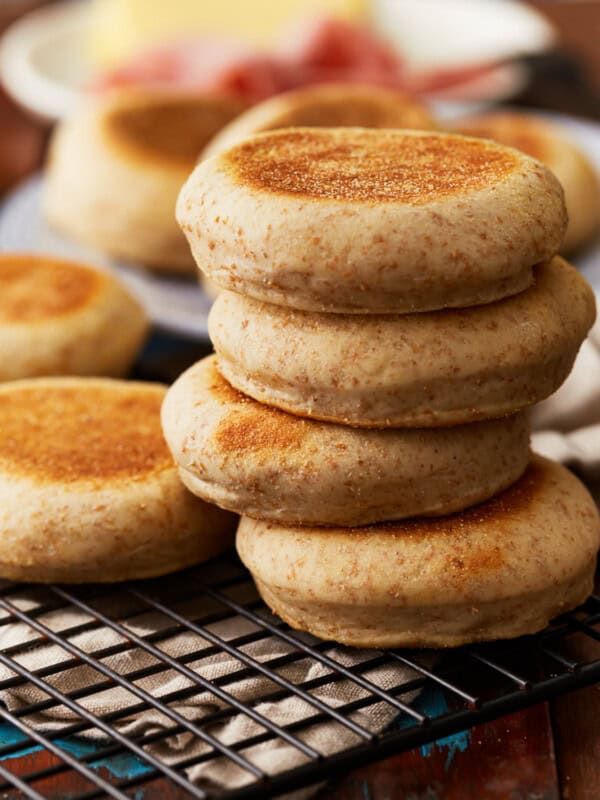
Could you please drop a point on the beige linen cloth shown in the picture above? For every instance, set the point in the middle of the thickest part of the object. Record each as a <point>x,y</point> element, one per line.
<point>271,756</point>
<point>567,429</point>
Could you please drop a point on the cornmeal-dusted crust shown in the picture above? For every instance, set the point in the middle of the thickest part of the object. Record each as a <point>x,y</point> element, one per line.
<point>76,432</point>
<point>336,105</point>
<point>363,221</point>
<point>88,489</point>
<point>438,368</point>
<point>262,462</point>
<point>358,167</point>
<point>499,570</point>
<point>62,318</point>
<point>116,167</point>
<point>551,145</point>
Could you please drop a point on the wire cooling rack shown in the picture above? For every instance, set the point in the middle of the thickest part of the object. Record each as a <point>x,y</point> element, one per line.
<point>54,734</point>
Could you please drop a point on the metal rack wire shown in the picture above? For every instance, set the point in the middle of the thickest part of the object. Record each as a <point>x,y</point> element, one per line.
<point>477,684</point>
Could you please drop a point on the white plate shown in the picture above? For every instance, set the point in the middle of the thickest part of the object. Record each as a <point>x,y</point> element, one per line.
<point>43,60</point>
<point>179,305</point>
<point>44,63</point>
<point>174,304</point>
<point>441,34</point>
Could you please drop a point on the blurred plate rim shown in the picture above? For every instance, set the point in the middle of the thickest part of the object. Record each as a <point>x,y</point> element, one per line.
<point>50,99</point>
<point>32,87</point>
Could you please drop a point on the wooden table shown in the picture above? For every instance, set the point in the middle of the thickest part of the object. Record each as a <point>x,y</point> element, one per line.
<point>548,752</point>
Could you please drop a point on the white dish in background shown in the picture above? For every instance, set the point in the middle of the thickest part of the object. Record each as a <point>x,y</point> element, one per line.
<point>450,34</point>
<point>44,64</point>
<point>178,305</point>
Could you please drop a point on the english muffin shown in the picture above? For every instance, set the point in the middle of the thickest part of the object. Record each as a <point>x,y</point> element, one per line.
<point>550,144</point>
<point>437,368</point>
<point>88,488</point>
<point>116,167</point>
<point>499,570</point>
<point>62,318</point>
<point>256,460</point>
<point>351,220</point>
<point>336,105</point>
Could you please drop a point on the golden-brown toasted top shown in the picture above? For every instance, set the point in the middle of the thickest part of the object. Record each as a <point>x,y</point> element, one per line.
<point>250,426</point>
<point>514,130</point>
<point>352,164</point>
<point>67,432</point>
<point>35,288</point>
<point>169,128</point>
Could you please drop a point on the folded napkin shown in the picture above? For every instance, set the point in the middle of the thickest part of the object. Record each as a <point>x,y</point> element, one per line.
<point>567,425</point>
<point>214,774</point>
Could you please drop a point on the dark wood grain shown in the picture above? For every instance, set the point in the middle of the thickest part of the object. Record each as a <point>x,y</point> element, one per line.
<point>576,723</point>
<point>68,783</point>
<point>576,719</point>
<point>508,759</point>
<point>63,785</point>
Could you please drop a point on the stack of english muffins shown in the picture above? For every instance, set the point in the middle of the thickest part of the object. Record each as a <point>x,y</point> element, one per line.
<point>393,304</point>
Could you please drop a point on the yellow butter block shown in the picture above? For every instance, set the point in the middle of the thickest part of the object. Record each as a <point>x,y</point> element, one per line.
<point>122,28</point>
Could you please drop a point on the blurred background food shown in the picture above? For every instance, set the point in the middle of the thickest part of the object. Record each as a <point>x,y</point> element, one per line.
<point>116,165</point>
<point>256,23</point>
<point>326,105</point>
<point>264,47</point>
<point>550,144</point>
<point>141,89</point>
